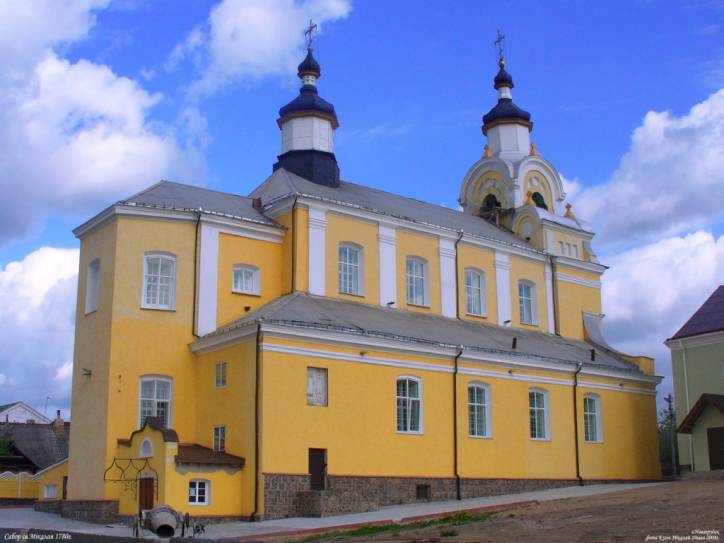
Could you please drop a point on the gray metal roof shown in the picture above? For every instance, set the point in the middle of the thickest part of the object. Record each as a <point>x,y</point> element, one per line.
<point>308,311</point>
<point>42,444</point>
<point>177,196</point>
<point>283,184</point>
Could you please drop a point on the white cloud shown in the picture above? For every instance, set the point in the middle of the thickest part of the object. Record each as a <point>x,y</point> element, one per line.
<point>75,136</point>
<point>37,317</point>
<point>669,182</point>
<point>650,291</point>
<point>252,38</point>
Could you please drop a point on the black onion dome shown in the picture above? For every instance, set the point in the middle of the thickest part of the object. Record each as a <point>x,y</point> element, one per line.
<point>309,66</point>
<point>505,110</point>
<point>309,100</point>
<point>503,79</point>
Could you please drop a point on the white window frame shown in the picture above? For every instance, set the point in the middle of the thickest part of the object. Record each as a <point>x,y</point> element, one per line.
<point>409,399</point>
<point>50,492</point>
<point>219,436</point>
<point>469,292</point>
<point>598,418</point>
<point>533,302</point>
<point>310,400</point>
<point>359,287</point>
<point>207,491</point>
<point>155,378</point>
<point>169,257</point>
<point>92,285</point>
<point>145,453</point>
<point>255,289</point>
<point>546,414</point>
<point>487,406</point>
<point>220,375</point>
<point>411,278</point>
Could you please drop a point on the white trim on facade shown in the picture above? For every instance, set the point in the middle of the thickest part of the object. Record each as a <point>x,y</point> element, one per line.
<point>448,303</point>
<point>208,279</point>
<point>567,278</point>
<point>387,240</point>
<point>317,244</point>
<point>502,284</point>
<point>700,340</point>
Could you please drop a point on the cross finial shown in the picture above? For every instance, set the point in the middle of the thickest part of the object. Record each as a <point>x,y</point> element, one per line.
<point>500,47</point>
<point>308,33</point>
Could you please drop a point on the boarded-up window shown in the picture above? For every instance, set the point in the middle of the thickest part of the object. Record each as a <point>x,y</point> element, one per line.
<point>317,386</point>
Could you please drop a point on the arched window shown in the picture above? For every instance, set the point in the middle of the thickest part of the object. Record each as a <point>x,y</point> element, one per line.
<point>527,302</point>
<point>539,200</point>
<point>417,286</point>
<point>350,269</point>
<point>246,279</point>
<point>155,400</point>
<point>479,410</point>
<point>159,281</point>
<point>539,413</point>
<point>146,450</point>
<point>474,292</point>
<point>490,203</point>
<point>593,431</point>
<point>409,405</point>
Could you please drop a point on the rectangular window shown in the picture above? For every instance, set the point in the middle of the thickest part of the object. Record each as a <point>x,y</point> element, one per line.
<point>526,298</point>
<point>477,411</point>
<point>155,400</point>
<point>159,281</point>
<point>416,281</point>
<point>92,285</point>
<point>220,438</point>
<point>474,292</point>
<point>408,405</point>
<point>198,492</point>
<point>349,270</point>
<point>538,415</point>
<point>246,279</point>
<point>591,419</point>
<point>317,386</point>
<point>50,491</point>
<point>220,374</point>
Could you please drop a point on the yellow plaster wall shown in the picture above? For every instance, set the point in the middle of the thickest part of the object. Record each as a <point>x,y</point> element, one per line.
<point>265,255</point>
<point>573,300</point>
<point>286,221</point>
<point>302,242</point>
<point>414,244</point>
<point>543,187</point>
<point>53,476</point>
<point>489,183</point>
<point>524,269</point>
<point>88,444</point>
<point>20,485</point>
<point>484,260</point>
<point>363,233</point>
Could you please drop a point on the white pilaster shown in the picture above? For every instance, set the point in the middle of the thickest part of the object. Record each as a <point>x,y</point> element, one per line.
<point>502,283</point>
<point>208,279</point>
<point>387,238</point>
<point>317,228</point>
<point>447,278</point>
<point>549,298</point>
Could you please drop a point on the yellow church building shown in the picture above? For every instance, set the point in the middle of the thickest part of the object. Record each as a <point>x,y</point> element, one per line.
<point>321,346</point>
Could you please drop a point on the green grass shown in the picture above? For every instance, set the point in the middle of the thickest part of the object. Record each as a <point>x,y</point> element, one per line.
<point>395,529</point>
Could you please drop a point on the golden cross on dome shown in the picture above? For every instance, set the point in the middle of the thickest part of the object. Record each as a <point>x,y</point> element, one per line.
<point>308,33</point>
<point>500,46</point>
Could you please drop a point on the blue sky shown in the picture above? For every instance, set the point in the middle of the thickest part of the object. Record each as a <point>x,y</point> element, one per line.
<point>410,82</point>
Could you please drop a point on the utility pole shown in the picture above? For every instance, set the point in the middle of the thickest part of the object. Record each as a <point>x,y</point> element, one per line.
<point>670,402</point>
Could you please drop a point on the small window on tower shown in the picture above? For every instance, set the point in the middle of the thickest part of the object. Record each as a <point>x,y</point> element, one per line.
<point>489,204</point>
<point>539,200</point>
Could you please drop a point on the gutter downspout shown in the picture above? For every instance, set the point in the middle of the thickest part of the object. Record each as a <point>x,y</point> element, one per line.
<point>294,245</point>
<point>457,276</point>
<point>197,257</point>
<point>254,515</point>
<point>686,398</point>
<point>556,324</point>
<point>455,424</point>
<point>575,422</point>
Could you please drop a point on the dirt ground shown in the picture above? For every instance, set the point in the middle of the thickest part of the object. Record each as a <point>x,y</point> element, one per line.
<point>691,510</point>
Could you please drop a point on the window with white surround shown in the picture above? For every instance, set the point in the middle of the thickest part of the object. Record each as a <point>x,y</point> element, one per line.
<point>246,279</point>
<point>220,438</point>
<point>92,285</point>
<point>417,281</point>
<point>592,428</point>
<point>527,302</point>
<point>350,269</point>
<point>479,410</point>
<point>155,400</point>
<point>317,386</point>
<point>50,491</point>
<point>199,492</point>
<point>146,449</point>
<point>220,374</point>
<point>159,281</point>
<point>474,292</point>
<point>409,405</point>
<point>538,408</point>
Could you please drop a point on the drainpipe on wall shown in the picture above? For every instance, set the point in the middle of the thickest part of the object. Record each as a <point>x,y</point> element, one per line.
<point>254,515</point>
<point>197,257</point>
<point>455,424</point>
<point>575,421</point>
<point>457,275</point>
<point>686,399</point>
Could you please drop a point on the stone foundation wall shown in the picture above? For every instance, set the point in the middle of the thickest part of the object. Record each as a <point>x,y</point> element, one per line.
<point>280,494</point>
<point>475,488</point>
<point>47,506</point>
<point>95,511</point>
